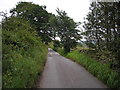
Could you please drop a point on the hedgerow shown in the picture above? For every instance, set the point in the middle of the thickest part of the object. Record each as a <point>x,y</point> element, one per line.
<point>23,53</point>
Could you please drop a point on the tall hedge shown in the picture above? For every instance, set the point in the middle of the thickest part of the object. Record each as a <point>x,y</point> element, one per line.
<point>24,54</point>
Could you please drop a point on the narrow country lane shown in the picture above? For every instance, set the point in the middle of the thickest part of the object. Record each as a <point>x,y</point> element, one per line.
<point>61,72</point>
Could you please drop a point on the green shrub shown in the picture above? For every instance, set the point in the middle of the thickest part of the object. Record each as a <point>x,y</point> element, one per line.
<point>61,51</point>
<point>24,54</point>
<point>102,71</point>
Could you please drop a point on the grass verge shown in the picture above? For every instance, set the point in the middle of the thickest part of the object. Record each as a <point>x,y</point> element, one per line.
<point>101,71</point>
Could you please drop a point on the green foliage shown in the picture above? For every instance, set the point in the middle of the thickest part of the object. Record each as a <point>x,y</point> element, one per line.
<point>61,51</point>
<point>57,43</point>
<point>23,54</point>
<point>53,26</point>
<point>67,31</point>
<point>105,57</point>
<point>78,48</point>
<point>37,16</point>
<point>105,36</point>
<point>51,45</point>
<point>64,28</point>
<point>90,44</point>
<point>102,71</point>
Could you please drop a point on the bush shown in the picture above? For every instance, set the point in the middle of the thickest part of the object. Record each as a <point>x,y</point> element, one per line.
<point>102,71</point>
<point>61,51</point>
<point>23,54</point>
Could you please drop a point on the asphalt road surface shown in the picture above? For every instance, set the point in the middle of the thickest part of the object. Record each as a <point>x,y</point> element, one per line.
<point>60,72</point>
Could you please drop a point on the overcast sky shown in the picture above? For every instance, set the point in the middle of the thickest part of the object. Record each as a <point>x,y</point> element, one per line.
<point>76,9</point>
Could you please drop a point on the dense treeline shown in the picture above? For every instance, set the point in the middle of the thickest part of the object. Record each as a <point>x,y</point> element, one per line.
<point>103,30</point>
<point>48,25</point>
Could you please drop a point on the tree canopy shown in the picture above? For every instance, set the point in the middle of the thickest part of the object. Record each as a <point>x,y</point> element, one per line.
<point>37,15</point>
<point>103,27</point>
<point>67,30</point>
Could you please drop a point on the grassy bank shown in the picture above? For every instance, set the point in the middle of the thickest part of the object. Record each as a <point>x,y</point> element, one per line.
<point>24,54</point>
<point>101,71</point>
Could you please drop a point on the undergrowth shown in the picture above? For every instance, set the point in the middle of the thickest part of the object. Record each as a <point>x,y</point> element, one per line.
<point>101,71</point>
<point>23,53</point>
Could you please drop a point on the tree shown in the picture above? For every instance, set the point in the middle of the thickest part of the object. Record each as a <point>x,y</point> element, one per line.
<point>37,15</point>
<point>53,26</point>
<point>92,26</point>
<point>67,31</point>
<point>103,29</point>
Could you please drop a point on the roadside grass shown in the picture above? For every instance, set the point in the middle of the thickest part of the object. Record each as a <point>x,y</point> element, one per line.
<point>61,52</point>
<point>24,68</point>
<point>101,71</point>
<point>22,64</point>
